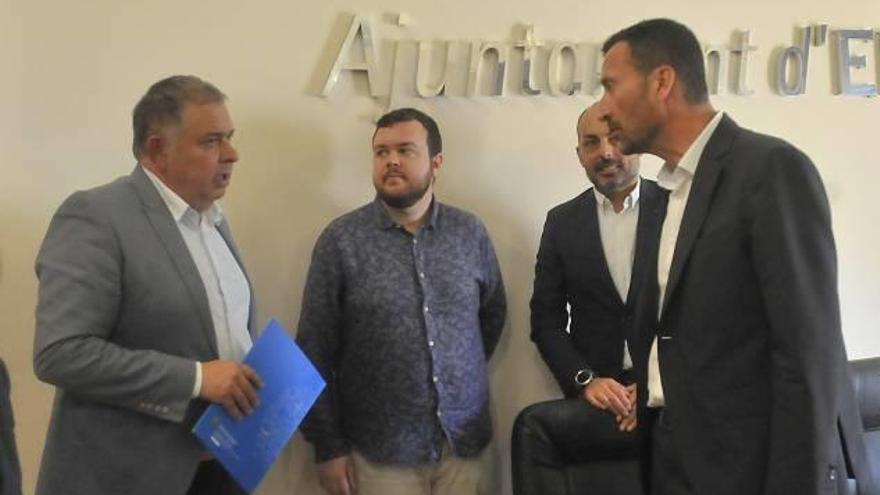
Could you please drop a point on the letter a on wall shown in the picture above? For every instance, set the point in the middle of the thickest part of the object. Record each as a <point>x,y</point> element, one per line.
<point>363,26</point>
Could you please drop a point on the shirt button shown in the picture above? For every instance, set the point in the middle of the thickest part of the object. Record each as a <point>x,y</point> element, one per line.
<point>422,274</point>
<point>439,414</point>
<point>426,309</point>
<point>415,241</point>
<point>436,379</point>
<point>430,343</point>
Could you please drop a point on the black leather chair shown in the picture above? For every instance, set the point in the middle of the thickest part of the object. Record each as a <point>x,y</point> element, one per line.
<point>563,447</point>
<point>866,381</point>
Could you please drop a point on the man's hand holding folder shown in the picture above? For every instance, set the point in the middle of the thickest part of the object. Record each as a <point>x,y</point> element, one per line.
<point>231,384</point>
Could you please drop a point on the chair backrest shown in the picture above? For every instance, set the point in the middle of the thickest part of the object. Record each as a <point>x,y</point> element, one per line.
<point>866,381</point>
<point>582,477</point>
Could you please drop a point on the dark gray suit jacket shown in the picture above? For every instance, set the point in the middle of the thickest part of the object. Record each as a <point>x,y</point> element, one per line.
<point>122,316</point>
<point>751,354</point>
<point>571,270</point>
<point>10,470</point>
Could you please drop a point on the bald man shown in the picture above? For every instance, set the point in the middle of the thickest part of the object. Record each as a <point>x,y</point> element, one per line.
<point>588,271</point>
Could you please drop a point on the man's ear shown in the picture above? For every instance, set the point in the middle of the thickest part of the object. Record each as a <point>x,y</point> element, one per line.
<point>436,163</point>
<point>664,79</point>
<point>154,152</point>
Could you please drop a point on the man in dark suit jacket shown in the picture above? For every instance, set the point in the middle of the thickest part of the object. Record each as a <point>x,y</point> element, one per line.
<point>590,266</point>
<point>144,310</point>
<point>10,470</point>
<point>743,370</point>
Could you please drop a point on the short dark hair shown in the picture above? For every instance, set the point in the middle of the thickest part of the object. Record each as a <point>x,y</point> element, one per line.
<point>657,42</point>
<point>163,105</point>
<point>435,143</point>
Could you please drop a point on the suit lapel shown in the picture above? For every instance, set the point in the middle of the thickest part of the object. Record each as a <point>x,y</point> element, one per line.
<point>652,208</point>
<point>594,251</point>
<point>159,217</point>
<point>699,201</point>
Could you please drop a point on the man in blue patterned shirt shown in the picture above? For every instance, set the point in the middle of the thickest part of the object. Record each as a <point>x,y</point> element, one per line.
<point>402,308</point>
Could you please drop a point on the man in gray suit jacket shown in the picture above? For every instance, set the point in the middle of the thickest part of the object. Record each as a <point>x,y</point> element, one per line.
<point>144,309</point>
<point>10,470</point>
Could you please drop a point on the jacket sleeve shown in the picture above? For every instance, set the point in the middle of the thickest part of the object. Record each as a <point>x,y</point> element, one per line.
<point>550,316</point>
<point>79,270</point>
<point>795,260</point>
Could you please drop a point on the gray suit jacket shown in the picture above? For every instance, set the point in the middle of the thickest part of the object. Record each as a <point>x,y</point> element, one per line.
<point>10,470</point>
<point>122,316</point>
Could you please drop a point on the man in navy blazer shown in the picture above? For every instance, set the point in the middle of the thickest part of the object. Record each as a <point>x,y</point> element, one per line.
<point>590,268</point>
<point>739,358</point>
<point>144,309</point>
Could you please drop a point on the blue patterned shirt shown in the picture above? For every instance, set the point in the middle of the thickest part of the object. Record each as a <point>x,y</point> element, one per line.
<point>401,325</point>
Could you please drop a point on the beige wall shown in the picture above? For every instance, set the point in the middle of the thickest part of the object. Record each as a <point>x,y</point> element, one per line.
<point>73,70</point>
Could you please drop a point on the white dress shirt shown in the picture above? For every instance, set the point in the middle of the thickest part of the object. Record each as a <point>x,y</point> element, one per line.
<point>229,295</point>
<point>677,178</point>
<point>617,230</point>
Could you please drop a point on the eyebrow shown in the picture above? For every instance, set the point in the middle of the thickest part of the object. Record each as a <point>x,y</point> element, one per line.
<point>219,134</point>
<point>396,145</point>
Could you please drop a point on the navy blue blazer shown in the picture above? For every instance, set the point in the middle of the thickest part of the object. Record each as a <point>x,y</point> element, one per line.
<point>571,271</point>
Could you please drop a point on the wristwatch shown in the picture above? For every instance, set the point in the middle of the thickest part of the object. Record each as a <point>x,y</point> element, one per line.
<point>583,377</point>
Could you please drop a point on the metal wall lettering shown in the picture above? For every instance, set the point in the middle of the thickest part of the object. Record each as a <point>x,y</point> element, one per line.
<point>847,61</point>
<point>480,68</point>
<point>363,26</point>
<point>529,45</point>
<point>800,54</point>
<point>714,62</point>
<point>480,51</point>
<point>423,87</point>
<point>740,52</point>
<point>554,69</point>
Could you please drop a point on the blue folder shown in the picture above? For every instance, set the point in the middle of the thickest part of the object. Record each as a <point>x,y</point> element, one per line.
<point>247,448</point>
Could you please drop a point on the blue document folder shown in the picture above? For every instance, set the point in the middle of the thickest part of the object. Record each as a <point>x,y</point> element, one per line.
<point>247,448</point>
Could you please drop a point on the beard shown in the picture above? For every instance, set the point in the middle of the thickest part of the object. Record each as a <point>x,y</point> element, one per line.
<point>635,141</point>
<point>408,197</point>
<point>610,186</point>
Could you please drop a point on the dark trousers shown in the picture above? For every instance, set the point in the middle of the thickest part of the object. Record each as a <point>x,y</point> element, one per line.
<point>566,446</point>
<point>667,472</point>
<point>212,479</point>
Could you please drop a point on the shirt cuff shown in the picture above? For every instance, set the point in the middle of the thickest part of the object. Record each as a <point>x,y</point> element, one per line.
<point>197,386</point>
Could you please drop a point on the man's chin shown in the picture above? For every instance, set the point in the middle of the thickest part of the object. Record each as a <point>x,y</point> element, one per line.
<point>399,201</point>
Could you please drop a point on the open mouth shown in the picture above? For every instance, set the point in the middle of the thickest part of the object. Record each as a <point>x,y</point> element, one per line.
<point>223,178</point>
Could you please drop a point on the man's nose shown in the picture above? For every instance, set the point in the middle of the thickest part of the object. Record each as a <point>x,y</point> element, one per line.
<point>392,159</point>
<point>608,150</point>
<point>228,152</point>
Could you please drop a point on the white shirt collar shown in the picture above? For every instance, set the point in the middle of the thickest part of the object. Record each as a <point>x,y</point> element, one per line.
<point>630,201</point>
<point>177,206</point>
<point>669,177</point>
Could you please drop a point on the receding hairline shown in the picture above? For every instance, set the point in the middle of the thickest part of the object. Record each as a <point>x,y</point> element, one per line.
<point>592,107</point>
<point>164,104</point>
